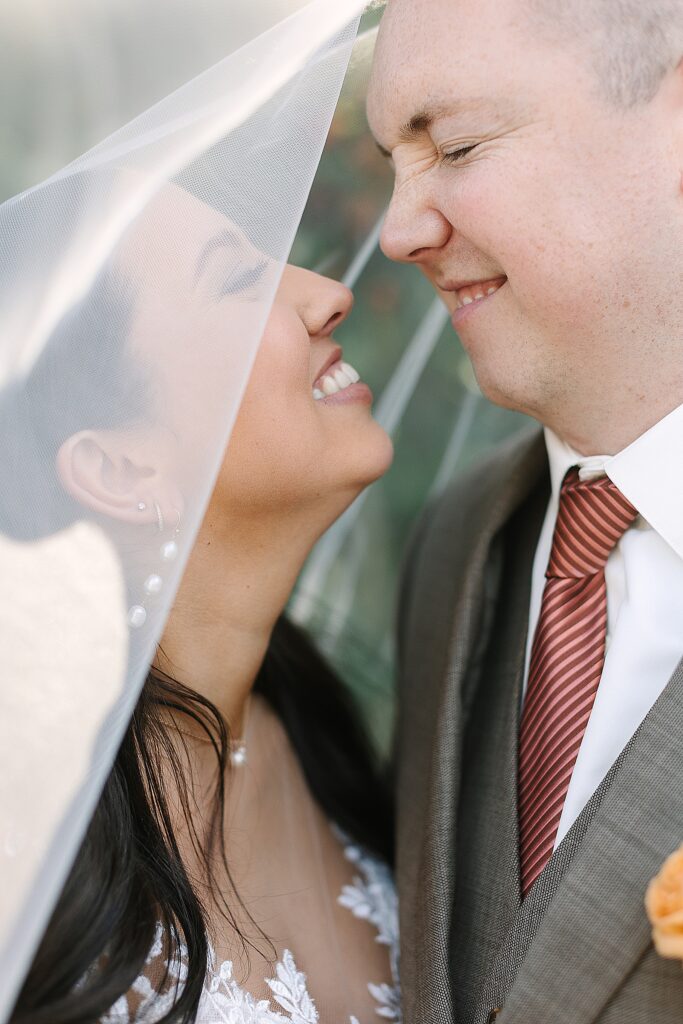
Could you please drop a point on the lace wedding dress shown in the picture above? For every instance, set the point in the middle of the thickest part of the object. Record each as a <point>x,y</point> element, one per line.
<point>328,906</point>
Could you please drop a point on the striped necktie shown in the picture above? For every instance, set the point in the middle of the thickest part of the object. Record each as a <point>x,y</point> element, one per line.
<point>567,659</point>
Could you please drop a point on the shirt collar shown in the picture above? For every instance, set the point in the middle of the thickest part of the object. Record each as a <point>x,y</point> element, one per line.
<point>649,472</point>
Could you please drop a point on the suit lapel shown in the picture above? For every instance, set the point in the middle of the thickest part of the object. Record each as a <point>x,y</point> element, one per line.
<point>595,929</point>
<point>441,641</point>
<point>487,887</point>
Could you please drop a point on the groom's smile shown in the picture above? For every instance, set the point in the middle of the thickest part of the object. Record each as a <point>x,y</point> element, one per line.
<point>469,295</point>
<point>516,170</point>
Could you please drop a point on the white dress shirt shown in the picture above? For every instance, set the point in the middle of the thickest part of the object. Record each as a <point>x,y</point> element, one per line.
<point>644,576</point>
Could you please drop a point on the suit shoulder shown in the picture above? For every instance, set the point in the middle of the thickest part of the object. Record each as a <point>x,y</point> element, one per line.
<point>521,454</point>
<point>454,521</point>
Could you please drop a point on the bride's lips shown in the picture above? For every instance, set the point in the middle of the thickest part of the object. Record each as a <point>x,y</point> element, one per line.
<point>338,383</point>
<point>334,356</point>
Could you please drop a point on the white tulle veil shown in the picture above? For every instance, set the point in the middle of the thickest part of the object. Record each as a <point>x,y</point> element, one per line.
<point>241,100</point>
<point>201,128</point>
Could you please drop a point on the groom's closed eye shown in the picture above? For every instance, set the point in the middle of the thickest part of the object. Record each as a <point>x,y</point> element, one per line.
<point>446,158</point>
<point>468,113</point>
<point>456,154</point>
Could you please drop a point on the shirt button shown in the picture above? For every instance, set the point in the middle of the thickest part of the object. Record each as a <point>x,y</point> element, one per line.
<point>493,1014</point>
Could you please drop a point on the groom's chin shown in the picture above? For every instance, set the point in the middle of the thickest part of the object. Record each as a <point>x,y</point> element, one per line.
<point>501,382</point>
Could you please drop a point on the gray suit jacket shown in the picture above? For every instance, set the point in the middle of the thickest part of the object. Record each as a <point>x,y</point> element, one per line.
<point>577,950</point>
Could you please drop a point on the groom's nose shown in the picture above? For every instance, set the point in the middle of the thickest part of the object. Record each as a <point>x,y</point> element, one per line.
<point>412,229</point>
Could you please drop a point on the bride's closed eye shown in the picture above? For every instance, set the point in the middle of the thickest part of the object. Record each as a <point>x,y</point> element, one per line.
<point>234,273</point>
<point>229,266</point>
<point>242,278</point>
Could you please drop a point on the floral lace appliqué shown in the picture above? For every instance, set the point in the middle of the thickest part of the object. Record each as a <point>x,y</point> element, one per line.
<point>371,896</point>
<point>151,1004</point>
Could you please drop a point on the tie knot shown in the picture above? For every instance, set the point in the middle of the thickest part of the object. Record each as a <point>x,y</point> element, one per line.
<point>592,517</point>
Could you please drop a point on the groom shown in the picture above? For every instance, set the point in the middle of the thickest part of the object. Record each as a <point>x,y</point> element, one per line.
<point>537,147</point>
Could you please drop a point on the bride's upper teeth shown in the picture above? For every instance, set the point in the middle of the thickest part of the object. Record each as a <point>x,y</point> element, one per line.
<point>350,372</point>
<point>472,292</point>
<point>340,376</point>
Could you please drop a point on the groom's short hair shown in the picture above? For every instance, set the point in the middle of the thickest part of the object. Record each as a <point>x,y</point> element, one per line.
<point>632,43</point>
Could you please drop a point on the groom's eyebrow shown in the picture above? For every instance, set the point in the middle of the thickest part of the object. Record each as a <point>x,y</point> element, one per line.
<point>421,122</point>
<point>411,130</point>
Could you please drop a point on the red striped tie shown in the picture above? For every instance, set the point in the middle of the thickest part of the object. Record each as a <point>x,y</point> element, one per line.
<point>566,659</point>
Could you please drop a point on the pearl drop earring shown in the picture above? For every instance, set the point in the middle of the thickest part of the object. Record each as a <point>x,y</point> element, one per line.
<point>153,585</point>
<point>169,550</point>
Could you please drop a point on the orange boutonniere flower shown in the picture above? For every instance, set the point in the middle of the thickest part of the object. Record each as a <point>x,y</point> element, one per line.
<point>664,905</point>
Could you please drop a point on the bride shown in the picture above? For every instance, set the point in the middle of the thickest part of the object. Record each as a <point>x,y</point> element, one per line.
<point>237,866</point>
<point>193,824</point>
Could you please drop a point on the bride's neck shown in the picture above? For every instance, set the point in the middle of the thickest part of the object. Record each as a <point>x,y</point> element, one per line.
<point>236,583</point>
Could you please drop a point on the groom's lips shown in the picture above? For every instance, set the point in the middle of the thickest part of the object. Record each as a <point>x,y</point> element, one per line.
<point>470,295</point>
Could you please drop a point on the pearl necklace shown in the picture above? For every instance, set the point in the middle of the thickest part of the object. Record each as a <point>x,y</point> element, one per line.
<point>238,753</point>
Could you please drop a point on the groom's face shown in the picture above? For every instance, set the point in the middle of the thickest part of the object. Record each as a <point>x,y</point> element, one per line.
<point>517,176</point>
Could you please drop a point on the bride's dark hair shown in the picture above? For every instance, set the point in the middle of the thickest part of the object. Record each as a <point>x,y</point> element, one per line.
<point>129,875</point>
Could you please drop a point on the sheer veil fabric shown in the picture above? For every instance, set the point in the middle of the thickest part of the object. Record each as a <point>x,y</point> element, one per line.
<point>166,152</point>
<point>134,286</point>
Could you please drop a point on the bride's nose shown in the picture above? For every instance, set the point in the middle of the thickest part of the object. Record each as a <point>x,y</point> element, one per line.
<point>329,307</point>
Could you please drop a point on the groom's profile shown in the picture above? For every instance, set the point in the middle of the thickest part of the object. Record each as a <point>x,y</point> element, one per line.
<point>537,147</point>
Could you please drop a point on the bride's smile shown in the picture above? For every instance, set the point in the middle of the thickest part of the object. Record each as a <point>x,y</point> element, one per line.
<point>337,377</point>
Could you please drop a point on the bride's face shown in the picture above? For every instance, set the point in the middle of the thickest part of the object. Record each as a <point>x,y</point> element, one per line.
<point>303,435</point>
<point>304,430</point>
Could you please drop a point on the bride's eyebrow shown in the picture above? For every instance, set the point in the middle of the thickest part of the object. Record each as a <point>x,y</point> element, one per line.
<point>225,239</point>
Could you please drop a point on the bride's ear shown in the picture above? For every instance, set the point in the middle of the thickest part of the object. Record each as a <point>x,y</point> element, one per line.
<point>105,473</point>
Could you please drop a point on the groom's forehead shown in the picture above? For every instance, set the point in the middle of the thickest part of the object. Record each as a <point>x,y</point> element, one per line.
<point>437,58</point>
<point>447,29</point>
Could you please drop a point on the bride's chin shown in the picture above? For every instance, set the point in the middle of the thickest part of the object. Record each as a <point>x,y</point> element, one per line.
<point>373,455</point>
<point>363,461</point>
<point>385,455</point>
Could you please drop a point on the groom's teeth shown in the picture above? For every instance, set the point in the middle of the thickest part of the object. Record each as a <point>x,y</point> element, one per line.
<point>329,385</point>
<point>318,394</point>
<point>473,292</point>
<point>341,379</point>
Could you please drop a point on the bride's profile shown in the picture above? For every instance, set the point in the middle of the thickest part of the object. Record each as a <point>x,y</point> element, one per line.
<point>245,823</point>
